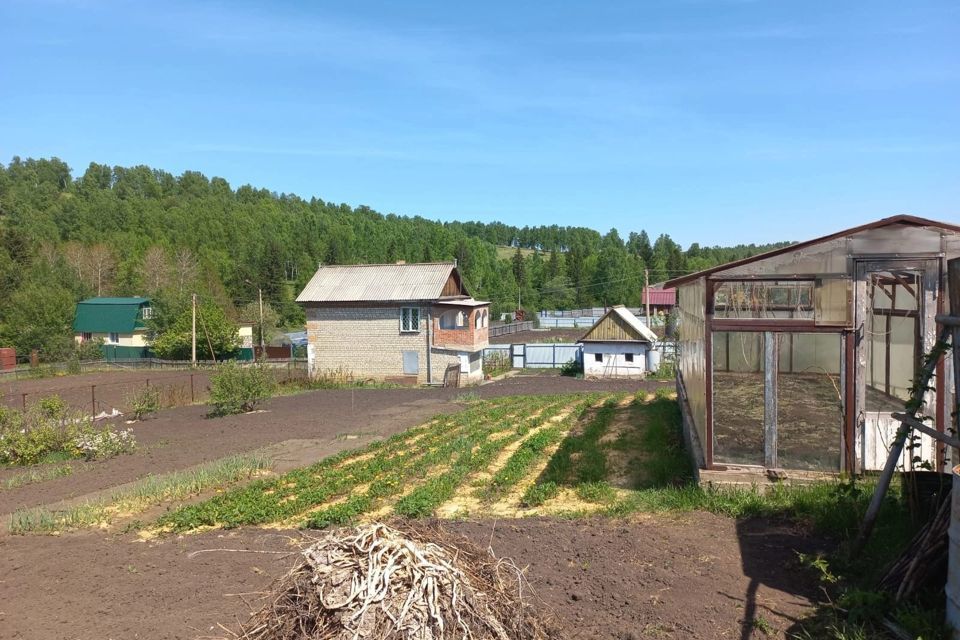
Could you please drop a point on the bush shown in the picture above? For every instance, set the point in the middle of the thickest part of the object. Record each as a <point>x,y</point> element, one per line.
<point>665,371</point>
<point>144,401</point>
<point>92,443</point>
<point>572,368</point>
<point>49,428</point>
<point>237,389</point>
<point>89,350</point>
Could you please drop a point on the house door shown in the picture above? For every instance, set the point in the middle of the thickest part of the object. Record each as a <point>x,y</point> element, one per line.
<point>895,309</point>
<point>411,363</point>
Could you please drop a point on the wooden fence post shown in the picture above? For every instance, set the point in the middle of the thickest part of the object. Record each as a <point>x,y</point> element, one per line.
<point>93,400</point>
<point>770,352</point>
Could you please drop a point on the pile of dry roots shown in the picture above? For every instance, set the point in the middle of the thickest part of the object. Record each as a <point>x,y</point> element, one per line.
<point>376,581</point>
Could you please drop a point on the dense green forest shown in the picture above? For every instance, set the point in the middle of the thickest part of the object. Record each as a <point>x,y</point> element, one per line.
<point>141,231</point>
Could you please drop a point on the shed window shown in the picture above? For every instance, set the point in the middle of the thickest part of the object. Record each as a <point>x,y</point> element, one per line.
<point>86,336</point>
<point>410,319</point>
<point>598,357</point>
<point>114,338</point>
<point>147,313</point>
<point>628,357</point>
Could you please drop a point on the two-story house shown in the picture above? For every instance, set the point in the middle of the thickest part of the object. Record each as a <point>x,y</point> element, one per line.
<point>402,322</point>
<point>118,322</point>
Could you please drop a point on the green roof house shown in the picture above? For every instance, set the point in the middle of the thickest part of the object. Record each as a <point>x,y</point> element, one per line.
<point>118,322</point>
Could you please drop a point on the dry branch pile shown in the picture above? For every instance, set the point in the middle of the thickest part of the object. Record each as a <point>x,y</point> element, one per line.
<point>375,581</point>
<point>924,561</point>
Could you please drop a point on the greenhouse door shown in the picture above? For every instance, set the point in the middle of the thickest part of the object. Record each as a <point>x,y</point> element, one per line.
<point>895,309</point>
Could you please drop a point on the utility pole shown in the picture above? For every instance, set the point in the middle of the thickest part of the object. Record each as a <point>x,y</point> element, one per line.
<point>646,293</point>
<point>263,351</point>
<point>193,341</point>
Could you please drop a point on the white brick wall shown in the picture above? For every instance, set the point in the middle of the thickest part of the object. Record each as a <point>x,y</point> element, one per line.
<point>367,342</point>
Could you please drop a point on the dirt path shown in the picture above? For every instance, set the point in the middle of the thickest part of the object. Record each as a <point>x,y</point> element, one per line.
<point>687,577</point>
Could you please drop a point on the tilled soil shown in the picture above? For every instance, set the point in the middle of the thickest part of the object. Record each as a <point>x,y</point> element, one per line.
<point>105,390</point>
<point>691,576</point>
<point>315,424</point>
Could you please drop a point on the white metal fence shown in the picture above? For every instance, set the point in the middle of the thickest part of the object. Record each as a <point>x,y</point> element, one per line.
<point>554,355</point>
<point>536,355</point>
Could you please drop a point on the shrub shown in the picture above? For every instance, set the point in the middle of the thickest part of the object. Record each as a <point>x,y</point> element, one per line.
<point>53,408</point>
<point>89,350</point>
<point>572,368</point>
<point>25,438</point>
<point>144,401</point>
<point>665,371</point>
<point>92,443</point>
<point>237,389</point>
<point>49,428</point>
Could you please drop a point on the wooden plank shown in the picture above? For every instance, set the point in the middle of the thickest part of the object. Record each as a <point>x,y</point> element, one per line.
<point>933,433</point>
<point>708,371</point>
<point>770,400</point>
<point>953,321</point>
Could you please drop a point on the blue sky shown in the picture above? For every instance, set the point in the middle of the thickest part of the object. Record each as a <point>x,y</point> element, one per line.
<point>716,121</point>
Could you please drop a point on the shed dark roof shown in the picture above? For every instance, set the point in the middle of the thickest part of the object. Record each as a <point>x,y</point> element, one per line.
<point>109,315</point>
<point>877,224</point>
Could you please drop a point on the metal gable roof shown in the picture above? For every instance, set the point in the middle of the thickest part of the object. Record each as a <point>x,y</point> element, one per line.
<point>109,315</point>
<point>662,297</point>
<point>378,282</point>
<point>642,331</point>
<point>876,224</point>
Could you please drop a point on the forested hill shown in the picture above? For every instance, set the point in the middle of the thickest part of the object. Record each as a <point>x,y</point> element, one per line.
<point>142,231</point>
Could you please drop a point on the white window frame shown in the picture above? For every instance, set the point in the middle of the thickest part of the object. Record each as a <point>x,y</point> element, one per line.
<point>147,313</point>
<point>407,317</point>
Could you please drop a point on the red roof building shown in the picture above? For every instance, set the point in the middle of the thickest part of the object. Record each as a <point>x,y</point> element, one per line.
<point>660,297</point>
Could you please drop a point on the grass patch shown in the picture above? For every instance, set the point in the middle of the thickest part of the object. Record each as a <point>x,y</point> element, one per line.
<point>137,497</point>
<point>34,476</point>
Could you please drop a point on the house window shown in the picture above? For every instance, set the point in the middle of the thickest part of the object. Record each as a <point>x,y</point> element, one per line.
<point>461,319</point>
<point>598,357</point>
<point>628,357</point>
<point>86,336</point>
<point>448,320</point>
<point>147,313</point>
<point>410,319</point>
<point>114,338</point>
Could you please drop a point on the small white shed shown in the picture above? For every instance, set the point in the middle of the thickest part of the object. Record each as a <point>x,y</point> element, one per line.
<point>617,346</point>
